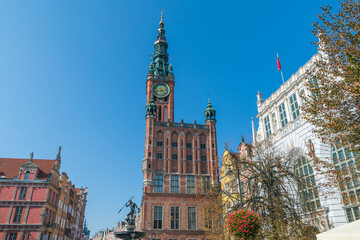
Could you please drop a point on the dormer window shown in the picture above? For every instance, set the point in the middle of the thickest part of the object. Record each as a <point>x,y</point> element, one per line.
<point>27,174</point>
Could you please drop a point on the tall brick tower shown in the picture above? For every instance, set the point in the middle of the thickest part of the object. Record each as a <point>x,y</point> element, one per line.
<point>180,162</point>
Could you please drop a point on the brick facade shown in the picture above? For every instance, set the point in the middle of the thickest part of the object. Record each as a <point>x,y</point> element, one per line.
<point>180,160</point>
<point>29,199</point>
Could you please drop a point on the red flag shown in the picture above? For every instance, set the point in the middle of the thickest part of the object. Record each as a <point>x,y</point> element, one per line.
<point>278,62</point>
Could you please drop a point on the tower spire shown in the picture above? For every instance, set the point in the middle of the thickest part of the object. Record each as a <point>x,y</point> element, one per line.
<point>161,57</point>
<point>162,18</point>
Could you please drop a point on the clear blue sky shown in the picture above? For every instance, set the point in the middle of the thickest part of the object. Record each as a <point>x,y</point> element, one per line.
<point>73,73</point>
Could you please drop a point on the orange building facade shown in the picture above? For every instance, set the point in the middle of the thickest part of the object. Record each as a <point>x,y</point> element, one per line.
<point>181,161</point>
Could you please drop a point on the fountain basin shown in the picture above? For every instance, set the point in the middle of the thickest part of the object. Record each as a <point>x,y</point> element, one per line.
<point>129,235</point>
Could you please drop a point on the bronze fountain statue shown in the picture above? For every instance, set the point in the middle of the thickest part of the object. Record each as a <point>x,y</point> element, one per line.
<point>130,232</point>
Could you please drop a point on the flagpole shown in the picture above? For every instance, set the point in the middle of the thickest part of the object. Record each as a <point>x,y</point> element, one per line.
<point>279,67</point>
<point>282,76</point>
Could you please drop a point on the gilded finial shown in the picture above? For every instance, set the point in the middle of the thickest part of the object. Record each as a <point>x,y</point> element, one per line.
<point>162,18</point>
<point>170,67</point>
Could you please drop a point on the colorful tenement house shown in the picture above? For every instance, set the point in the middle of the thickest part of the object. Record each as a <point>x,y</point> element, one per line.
<point>180,160</point>
<point>234,179</point>
<point>30,190</point>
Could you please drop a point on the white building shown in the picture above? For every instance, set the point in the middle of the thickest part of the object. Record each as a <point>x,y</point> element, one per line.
<point>281,119</point>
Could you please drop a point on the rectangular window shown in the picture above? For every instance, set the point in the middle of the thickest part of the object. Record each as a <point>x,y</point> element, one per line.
<point>159,143</point>
<point>174,156</point>
<point>159,180</point>
<point>175,218</point>
<point>192,218</point>
<point>26,177</point>
<point>267,126</point>
<point>203,158</point>
<point>294,106</point>
<point>22,194</point>
<point>174,184</point>
<point>203,146</point>
<point>189,157</point>
<point>12,236</point>
<point>283,118</point>
<point>309,196</point>
<point>17,215</point>
<point>206,184</point>
<point>159,156</point>
<point>174,144</point>
<point>158,217</point>
<point>188,145</point>
<point>190,184</point>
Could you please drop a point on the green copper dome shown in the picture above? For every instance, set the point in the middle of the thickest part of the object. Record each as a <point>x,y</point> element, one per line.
<point>151,109</point>
<point>210,113</point>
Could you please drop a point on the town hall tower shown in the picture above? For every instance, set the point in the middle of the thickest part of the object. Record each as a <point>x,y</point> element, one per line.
<point>180,161</point>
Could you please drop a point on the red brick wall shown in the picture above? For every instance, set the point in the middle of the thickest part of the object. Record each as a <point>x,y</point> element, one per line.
<point>4,211</point>
<point>6,193</point>
<point>34,216</point>
<point>39,194</point>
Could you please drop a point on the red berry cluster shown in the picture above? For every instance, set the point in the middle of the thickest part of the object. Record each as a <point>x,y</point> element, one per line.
<point>243,224</point>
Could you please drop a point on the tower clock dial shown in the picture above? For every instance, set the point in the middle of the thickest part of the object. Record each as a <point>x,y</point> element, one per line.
<point>160,90</point>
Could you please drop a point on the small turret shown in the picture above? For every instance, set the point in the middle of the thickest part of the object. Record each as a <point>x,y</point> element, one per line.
<point>151,109</point>
<point>171,70</point>
<point>210,113</point>
<point>151,69</point>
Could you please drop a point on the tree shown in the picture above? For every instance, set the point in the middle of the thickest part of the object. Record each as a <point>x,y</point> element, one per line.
<point>213,221</point>
<point>333,107</point>
<point>278,190</point>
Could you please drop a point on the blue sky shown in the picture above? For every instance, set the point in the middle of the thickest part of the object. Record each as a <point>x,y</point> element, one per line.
<point>72,73</point>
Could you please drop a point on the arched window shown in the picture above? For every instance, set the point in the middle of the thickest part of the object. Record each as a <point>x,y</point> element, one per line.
<point>165,114</point>
<point>159,117</point>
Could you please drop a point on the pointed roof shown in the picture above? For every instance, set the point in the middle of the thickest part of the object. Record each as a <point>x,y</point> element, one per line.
<point>160,62</point>
<point>10,167</point>
<point>210,113</point>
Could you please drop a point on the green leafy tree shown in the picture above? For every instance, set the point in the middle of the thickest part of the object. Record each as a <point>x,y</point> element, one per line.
<point>333,107</point>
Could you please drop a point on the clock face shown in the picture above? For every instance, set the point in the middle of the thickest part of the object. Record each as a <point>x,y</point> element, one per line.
<point>161,90</point>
